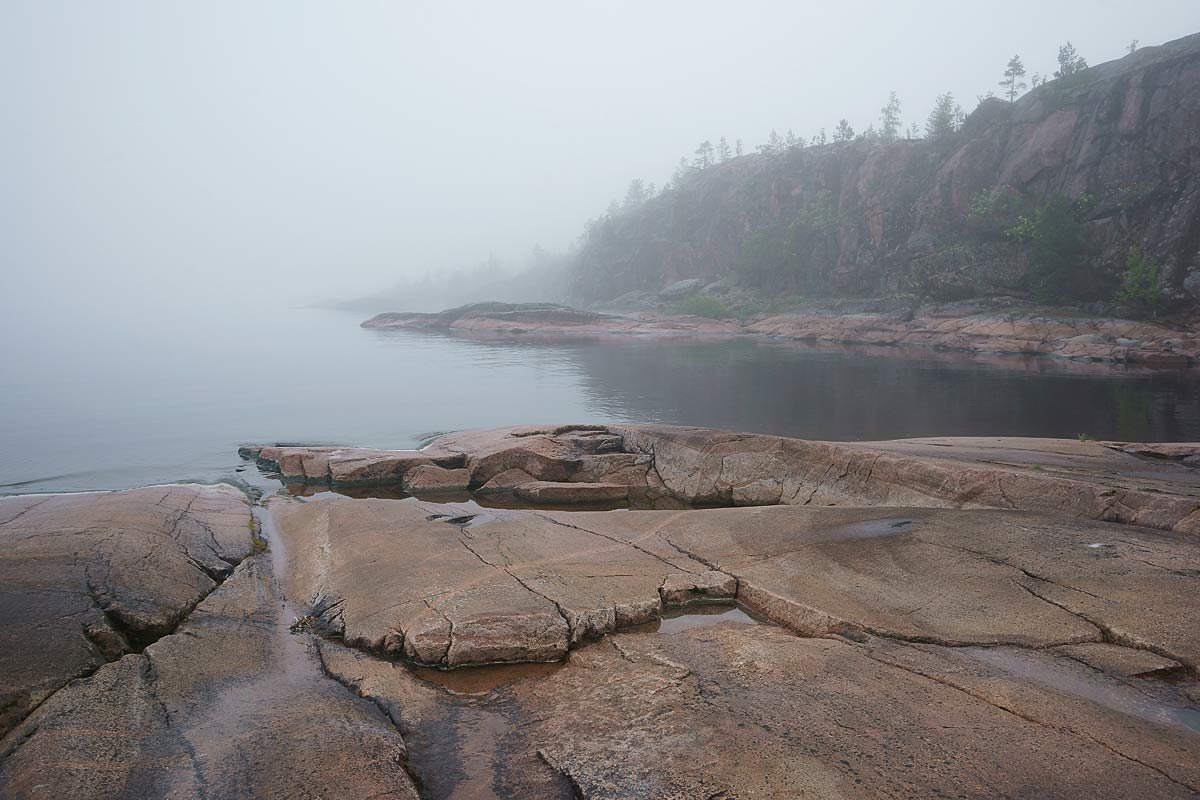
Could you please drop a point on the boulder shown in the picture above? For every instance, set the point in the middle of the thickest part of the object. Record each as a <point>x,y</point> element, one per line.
<point>682,288</point>
<point>431,478</point>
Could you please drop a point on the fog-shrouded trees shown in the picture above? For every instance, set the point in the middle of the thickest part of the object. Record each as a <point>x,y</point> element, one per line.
<point>945,117</point>
<point>1131,47</point>
<point>889,119</point>
<point>723,151</point>
<point>843,132</point>
<point>737,148</point>
<point>820,138</point>
<point>1069,62</point>
<point>635,195</point>
<point>1012,82</point>
<point>704,155</point>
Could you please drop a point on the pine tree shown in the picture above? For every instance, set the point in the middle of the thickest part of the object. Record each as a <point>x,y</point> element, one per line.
<point>682,171</point>
<point>1131,47</point>
<point>737,147</point>
<point>1037,80</point>
<point>774,144</point>
<point>843,132</point>
<point>943,120</point>
<point>889,119</point>
<point>723,153</point>
<point>704,155</point>
<point>914,132</point>
<point>1069,62</point>
<point>790,140</point>
<point>820,138</point>
<point>1012,82</point>
<point>635,195</point>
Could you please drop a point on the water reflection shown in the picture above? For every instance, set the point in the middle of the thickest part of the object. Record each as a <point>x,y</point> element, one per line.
<point>146,409</point>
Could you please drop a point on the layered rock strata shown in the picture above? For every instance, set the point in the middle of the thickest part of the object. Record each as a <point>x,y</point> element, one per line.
<point>665,466</point>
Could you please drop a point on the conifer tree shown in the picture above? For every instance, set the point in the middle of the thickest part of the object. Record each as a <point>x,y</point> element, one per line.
<point>723,153</point>
<point>889,119</point>
<point>1069,62</point>
<point>843,132</point>
<point>943,120</point>
<point>1012,82</point>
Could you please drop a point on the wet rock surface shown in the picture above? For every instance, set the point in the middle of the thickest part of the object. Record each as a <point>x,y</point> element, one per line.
<point>87,578</point>
<point>891,619</point>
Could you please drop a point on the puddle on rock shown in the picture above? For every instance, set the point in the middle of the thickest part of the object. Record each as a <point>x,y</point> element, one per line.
<point>702,616</point>
<point>478,681</point>
<point>1068,677</point>
<point>867,529</point>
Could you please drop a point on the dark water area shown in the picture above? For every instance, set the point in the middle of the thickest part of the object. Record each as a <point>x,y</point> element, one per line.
<point>140,404</point>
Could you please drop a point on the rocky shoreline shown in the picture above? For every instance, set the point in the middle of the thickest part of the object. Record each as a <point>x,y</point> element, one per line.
<point>966,328</point>
<point>767,617</point>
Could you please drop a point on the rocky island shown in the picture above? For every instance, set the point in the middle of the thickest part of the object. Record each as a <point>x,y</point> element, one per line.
<point>614,612</point>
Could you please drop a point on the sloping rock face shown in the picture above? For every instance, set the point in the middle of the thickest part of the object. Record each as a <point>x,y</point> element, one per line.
<point>381,645</point>
<point>230,705</point>
<point>665,466</point>
<point>1081,338</point>
<point>509,318</point>
<point>87,578</point>
<point>913,650</point>
<point>868,218</point>
<point>525,588</point>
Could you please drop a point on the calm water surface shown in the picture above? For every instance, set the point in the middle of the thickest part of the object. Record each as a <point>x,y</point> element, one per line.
<point>159,400</point>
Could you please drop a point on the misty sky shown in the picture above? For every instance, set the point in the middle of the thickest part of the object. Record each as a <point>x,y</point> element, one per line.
<point>219,150</point>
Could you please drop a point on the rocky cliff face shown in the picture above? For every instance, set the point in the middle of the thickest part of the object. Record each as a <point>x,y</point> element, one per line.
<point>1119,144</point>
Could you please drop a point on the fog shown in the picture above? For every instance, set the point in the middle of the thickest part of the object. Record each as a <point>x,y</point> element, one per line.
<point>226,154</point>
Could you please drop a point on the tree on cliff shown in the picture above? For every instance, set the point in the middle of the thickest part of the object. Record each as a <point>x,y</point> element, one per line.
<point>635,195</point>
<point>889,119</point>
<point>1131,47</point>
<point>1013,74</point>
<point>704,155</point>
<point>843,132</point>
<point>774,144</point>
<point>737,147</point>
<point>723,153</point>
<point>682,171</point>
<point>1069,62</point>
<point>820,138</point>
<point>944,119</point>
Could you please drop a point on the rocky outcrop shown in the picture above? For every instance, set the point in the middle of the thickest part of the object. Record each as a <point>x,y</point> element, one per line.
<point>1027,333</point>
<point>664,466</point>
<point>970,327</point>
<point>965,642</point>
<point>979,650</point>
<point>929,217</point>
<point>230,705</point>
<point>87,578</point>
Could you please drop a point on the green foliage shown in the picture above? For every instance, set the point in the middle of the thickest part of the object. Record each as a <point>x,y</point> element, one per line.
<point>1139,285</point>
<point>988,203</point>
<point>1013,74</point>
<point>843,132</point>
<point>889,119</point>
<point>781,304</point>
<point>703,305</point>
<point>1054,234</point>
<point>1069,62</point>
<point>945,117</point>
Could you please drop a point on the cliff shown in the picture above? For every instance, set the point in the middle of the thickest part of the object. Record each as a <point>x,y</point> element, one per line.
<point>1115,149</point>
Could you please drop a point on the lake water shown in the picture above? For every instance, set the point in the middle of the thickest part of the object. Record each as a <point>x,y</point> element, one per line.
<point>163,399</point>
